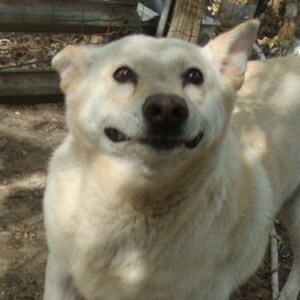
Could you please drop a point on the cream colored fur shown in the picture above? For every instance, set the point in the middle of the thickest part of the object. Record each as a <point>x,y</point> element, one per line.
<point>128,222</point>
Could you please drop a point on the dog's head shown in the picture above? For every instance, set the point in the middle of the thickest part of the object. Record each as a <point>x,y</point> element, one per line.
<point>148,97</point>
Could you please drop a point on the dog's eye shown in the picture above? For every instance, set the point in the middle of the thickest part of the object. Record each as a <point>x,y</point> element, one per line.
<point>192,76</point>
<point>125,75</point>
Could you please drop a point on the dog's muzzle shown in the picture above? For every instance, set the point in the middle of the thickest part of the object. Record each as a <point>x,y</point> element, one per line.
<point>165,116</point>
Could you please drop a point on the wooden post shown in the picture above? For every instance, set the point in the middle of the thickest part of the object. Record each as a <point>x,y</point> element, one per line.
<point>274,6</point>
<point>185,22</point>
<point>287,31</point>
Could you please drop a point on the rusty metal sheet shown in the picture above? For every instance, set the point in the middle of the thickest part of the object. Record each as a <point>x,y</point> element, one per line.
<point>67,16</point>
<point>26,85</point>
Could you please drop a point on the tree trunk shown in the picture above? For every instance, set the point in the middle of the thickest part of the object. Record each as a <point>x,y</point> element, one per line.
<point>287,31</point>
<point>275,7</point>
<point>185,22</point>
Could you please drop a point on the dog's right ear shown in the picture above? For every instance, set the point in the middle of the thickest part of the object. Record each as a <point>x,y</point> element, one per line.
<point>70,63</point>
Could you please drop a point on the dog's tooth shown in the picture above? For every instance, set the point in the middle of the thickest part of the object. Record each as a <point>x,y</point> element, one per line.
<point>193,143</point>
<point>121,137</point>
<point>115,135</point>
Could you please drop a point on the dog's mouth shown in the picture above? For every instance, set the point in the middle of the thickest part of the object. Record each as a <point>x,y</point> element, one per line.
<point>157,142</point>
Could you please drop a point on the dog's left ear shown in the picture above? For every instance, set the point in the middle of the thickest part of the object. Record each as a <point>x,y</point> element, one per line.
<point>231,50</point>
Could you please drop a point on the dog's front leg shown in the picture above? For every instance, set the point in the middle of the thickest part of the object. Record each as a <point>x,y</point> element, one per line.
<point>58,283</point>
<point>289,216</point>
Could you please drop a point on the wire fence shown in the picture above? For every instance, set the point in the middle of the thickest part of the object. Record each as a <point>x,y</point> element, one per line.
<point>68,16</point>
<point>33,31</point>
<point>90,16</point>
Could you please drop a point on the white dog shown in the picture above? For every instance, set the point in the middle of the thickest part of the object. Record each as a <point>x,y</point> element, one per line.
<point>160,191</point>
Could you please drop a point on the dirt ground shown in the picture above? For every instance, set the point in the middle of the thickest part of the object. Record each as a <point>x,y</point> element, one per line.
<point>28,135</point>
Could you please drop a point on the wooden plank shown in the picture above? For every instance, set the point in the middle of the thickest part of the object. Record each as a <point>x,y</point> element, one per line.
<point>185,22</point>
<point>34,85</point>
<point>67,16</point>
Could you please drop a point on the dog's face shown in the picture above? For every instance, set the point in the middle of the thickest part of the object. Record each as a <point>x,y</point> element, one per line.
<point>148,97</point>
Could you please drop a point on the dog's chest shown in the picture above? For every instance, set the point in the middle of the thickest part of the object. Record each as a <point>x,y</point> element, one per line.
<point>137,261</point>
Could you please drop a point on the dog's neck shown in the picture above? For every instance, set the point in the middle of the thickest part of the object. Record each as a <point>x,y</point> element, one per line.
<point>145,190</point>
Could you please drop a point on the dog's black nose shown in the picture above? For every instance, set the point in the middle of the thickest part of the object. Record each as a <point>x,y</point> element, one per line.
<point>165,110</point>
